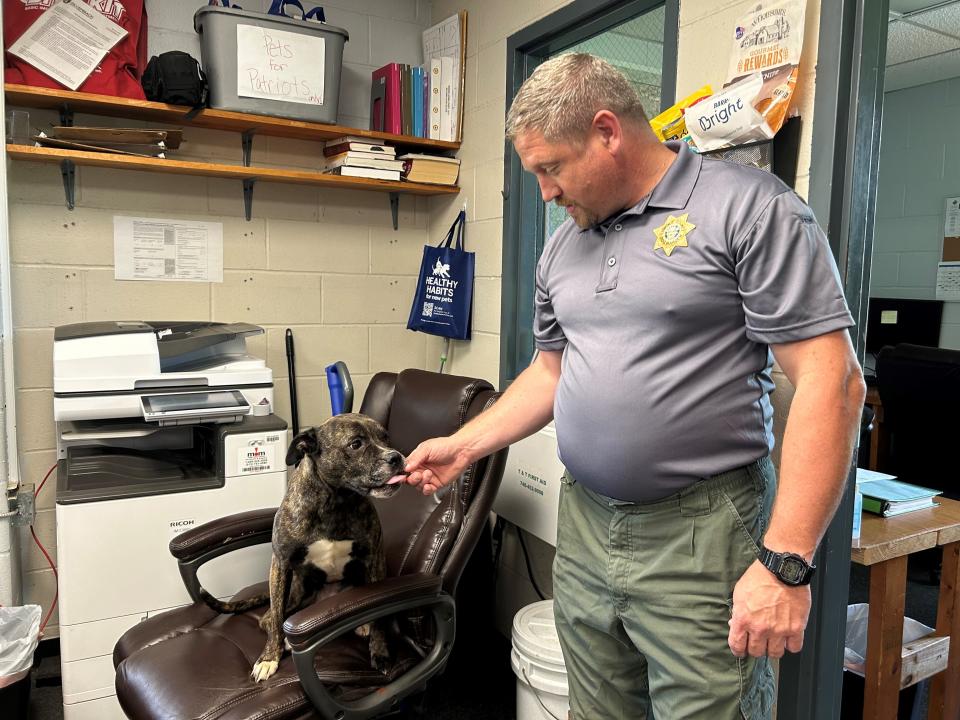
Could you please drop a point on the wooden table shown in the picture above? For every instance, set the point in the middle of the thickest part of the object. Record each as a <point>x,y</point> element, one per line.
<point>884,545</point>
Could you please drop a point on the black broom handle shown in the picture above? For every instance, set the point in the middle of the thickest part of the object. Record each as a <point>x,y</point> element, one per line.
<point>292,374</point>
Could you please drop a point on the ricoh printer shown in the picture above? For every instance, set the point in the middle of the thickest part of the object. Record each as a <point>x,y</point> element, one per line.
<point>161,426</point>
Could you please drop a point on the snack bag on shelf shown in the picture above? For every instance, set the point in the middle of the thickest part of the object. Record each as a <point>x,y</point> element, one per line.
<point>761,79</point>
<point>729,117</point>
<point>670,124</point>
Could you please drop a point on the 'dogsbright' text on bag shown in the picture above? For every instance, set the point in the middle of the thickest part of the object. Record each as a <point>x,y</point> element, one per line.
<point>443,301</point>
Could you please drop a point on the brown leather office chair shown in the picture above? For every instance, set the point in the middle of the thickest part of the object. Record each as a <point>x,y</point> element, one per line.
<point>192,662</point>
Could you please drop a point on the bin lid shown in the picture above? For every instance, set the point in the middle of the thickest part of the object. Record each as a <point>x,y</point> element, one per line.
<point>535,633</point>
<point>261,18</point>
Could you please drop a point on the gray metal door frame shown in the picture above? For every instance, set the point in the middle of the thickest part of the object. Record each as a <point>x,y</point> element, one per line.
<point>848,109</point>
<point>523,213</point>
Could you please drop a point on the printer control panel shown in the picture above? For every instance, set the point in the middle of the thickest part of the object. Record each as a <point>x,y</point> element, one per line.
<point>195,407</point>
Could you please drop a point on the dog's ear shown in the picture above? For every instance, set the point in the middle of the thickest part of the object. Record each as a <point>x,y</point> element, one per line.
<point>305,443</point>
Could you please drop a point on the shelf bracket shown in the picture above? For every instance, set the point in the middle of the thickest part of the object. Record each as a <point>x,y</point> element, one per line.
<point>69,172</point>
<point>248,198</point>
<point>66,115</point>
<point>395,208</point>
<point>246,141</point>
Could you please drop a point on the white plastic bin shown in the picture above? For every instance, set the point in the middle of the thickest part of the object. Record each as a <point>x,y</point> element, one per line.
<point>271,65</point>
<point>855,642</point>
<point>537,662</point>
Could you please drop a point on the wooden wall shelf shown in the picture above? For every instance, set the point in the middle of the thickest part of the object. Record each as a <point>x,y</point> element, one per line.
<point>67,103</point>
<point>52,99</point>
<point>219,170</point>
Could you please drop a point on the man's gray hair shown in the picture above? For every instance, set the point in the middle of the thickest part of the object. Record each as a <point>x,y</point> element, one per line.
<point>563,94</point>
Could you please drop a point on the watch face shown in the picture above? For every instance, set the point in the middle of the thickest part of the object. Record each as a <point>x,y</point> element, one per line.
<point>792,570</point>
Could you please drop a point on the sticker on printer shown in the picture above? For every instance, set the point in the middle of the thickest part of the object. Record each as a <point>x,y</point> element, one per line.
<point>256,457</point>
<point>181,526</point>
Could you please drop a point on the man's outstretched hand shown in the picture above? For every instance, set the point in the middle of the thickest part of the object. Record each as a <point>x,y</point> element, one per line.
<point>435,464</point>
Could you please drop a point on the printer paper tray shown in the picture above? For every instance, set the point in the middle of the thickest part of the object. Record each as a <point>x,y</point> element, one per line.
<point>93,475</point>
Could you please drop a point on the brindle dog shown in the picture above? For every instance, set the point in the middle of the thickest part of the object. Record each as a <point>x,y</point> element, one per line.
<point>326,529</point>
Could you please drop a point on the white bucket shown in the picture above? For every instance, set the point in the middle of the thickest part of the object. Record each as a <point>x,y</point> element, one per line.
<point>537,662</point>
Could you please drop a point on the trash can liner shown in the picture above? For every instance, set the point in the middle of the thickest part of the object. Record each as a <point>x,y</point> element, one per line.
<point>19,634</point>
<point>855,643</point>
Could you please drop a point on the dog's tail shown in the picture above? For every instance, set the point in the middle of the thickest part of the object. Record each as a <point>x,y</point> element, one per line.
<point>234,607</point>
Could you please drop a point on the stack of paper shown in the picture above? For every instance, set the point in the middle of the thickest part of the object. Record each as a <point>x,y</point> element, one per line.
<point>886,496</point>
<point>142,142</point>
<point>350,156</point>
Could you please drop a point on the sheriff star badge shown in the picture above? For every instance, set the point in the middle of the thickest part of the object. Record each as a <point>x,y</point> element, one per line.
<point>673,233</point>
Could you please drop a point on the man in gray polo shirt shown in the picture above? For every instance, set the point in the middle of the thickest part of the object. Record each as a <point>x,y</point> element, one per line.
<point>660,307</point>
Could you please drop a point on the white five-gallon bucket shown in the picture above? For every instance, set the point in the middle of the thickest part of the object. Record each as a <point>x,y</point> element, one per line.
<point>538,664</point>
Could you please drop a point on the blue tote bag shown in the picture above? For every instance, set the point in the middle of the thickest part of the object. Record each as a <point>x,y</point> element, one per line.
<point>443,301</point>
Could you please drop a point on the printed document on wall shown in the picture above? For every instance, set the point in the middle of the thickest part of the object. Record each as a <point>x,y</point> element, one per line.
<point>948,281</point>
<point>951,217</point>
<point>176,250</point>
<point>68,42</point>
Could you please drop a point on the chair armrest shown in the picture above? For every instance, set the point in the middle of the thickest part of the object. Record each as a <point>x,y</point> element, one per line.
<point>223,531</point>
<point>219,537</point>
<point>301,627</point>
<point>313,627</point>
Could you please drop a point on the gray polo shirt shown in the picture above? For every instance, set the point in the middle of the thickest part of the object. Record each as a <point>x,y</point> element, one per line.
<point>664,314</point>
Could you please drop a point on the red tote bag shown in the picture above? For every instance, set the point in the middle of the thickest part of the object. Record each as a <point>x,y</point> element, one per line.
<point>117,74</point>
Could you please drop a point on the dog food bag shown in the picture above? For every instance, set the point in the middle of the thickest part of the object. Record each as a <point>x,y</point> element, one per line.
<point>670,124</point>
<point>769,41</point>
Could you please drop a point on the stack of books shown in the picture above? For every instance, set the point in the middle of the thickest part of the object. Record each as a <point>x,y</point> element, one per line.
<point>885,495</point>
<point>430,169</point>
<point>358,157</point>
<point>141,142</point>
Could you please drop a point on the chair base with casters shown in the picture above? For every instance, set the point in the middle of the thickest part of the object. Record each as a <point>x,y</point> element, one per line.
<point>193,662</point>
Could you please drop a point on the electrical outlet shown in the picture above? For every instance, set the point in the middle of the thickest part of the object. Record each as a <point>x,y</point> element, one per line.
<point>26,507</point>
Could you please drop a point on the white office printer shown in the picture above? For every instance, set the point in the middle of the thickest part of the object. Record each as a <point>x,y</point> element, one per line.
<point>160,427</point>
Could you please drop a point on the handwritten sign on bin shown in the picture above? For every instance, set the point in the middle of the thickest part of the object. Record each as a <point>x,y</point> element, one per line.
<point>278,65</point>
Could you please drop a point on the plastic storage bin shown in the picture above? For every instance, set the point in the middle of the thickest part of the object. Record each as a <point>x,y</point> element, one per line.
<point>271,65</point>
<point>854,652</point>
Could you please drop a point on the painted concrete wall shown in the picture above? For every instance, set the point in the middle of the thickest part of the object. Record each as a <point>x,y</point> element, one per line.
<point>326,263</point>
<point>919,168</point>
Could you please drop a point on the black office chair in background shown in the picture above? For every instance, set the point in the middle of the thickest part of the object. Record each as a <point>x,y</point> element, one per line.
<point>920,392</point>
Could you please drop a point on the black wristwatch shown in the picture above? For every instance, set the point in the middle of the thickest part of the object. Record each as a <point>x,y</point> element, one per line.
<point>789,568</point>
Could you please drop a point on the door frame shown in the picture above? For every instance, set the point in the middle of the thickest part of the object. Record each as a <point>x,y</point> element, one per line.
<point>523,227</point>
<point>848,111</point>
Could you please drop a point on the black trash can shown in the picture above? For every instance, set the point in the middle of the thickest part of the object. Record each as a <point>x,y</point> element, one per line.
<point>15,698</point>
<point>851,705</point>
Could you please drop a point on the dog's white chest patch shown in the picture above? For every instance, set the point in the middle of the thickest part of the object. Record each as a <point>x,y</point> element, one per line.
<point>331,556</point>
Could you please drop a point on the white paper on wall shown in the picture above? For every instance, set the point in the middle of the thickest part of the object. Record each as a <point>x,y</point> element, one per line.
<point>167,250</point>
<point>279,65</point>
<point>951,217</point>
<point>948,281</point>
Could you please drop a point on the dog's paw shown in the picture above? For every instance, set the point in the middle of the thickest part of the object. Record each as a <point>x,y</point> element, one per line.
<point>264,669</point>
<point>381,663</point>
<point>363,630</point>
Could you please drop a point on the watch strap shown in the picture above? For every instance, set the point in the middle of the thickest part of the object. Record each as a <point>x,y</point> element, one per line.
<point>788,568</point>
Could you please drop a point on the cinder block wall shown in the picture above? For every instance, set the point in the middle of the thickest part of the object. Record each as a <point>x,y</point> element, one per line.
<point>919,169</point>
<point>326,263</point>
